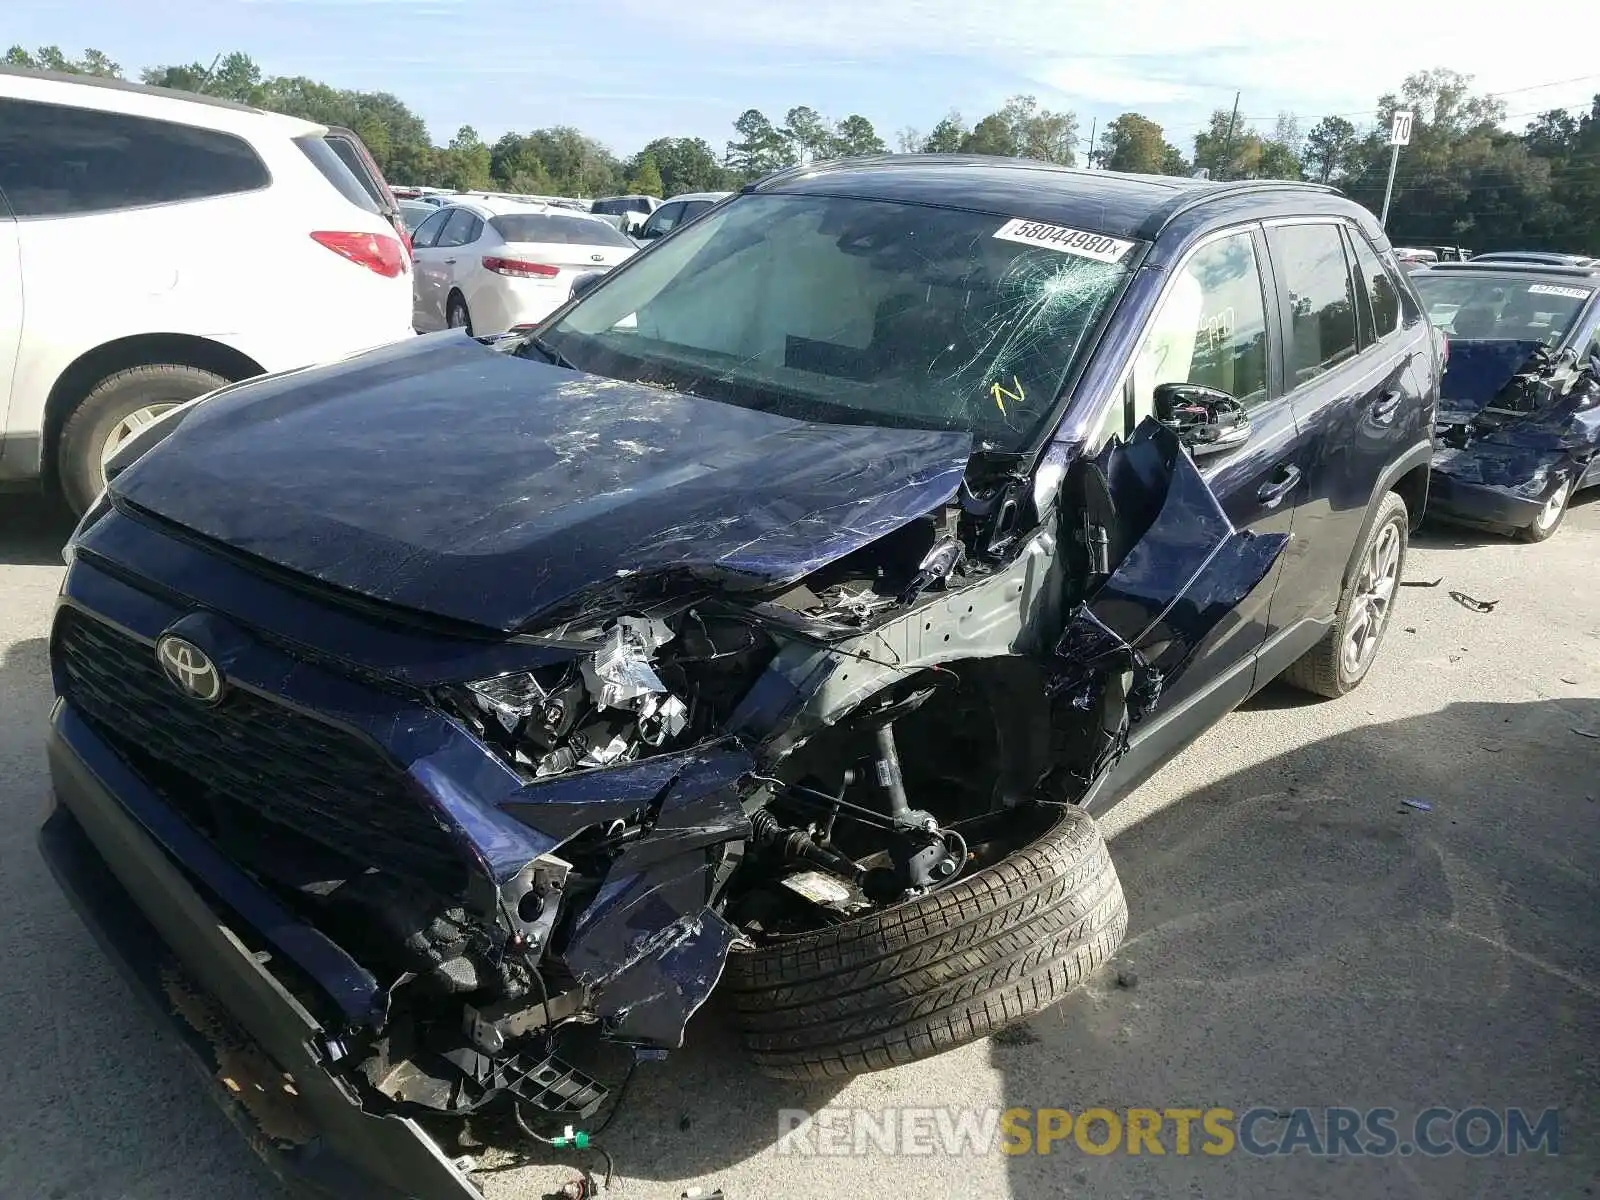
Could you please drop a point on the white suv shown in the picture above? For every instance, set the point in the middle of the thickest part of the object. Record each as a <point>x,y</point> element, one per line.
<point>154,246</point>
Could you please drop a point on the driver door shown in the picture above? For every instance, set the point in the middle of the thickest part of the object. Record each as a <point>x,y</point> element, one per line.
<point>1216,325</point>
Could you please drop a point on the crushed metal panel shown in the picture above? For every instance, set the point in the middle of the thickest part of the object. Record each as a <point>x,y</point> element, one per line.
<point>1168,589</point>
<point>647,946</point>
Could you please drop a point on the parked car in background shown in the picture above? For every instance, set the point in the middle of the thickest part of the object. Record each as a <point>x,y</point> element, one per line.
<point>1519,414</point>
<point>678,211</point>
<point>1547,258</point>
<point>489,265</point>
<point>415,212</point>
<point>1451,253</point>
<point>808,581</point>
<point>633,209</point>
<point>1411,257</point>
<point>156,245</point>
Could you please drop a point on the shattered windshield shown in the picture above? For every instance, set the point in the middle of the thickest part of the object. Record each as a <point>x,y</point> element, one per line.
<point>1495,307</point>
<point>856,311</point>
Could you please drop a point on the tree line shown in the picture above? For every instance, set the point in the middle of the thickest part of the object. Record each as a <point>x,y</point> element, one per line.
<point>1465,179</point>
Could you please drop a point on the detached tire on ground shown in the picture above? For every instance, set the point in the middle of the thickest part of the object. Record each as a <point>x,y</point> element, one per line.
<point>103,412</point>
<point>936,972</point>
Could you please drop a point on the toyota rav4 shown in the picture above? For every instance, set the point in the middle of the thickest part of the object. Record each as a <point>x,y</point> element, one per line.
<point>775,613</point>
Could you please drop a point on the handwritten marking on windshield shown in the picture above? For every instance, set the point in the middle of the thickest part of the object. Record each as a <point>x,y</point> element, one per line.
<point>1001,395</point>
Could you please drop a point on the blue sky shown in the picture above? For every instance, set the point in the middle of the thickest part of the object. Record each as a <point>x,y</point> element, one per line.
<point>626,71</point>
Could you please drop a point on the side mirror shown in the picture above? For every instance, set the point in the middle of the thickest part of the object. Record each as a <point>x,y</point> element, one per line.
<point>1207,420</point>
<point>584,284</point>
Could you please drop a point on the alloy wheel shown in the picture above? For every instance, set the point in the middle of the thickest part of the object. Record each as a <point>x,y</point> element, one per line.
<point>1369,606</point>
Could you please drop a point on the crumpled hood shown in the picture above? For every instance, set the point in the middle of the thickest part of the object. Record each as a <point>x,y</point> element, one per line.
<point>1477,370</point>
<point>453,479</point>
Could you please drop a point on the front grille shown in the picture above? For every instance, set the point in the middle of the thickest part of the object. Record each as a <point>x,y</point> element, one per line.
<point>311,777</point>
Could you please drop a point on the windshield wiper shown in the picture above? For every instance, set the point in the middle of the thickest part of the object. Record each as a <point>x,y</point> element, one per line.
<point>550,353</point>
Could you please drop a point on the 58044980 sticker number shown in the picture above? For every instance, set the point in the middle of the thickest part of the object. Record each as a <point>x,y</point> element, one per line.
<point>1097,246</point>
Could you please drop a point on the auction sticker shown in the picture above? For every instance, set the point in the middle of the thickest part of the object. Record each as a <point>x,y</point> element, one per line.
<point>1069,241</point>
<point>1550,289</point>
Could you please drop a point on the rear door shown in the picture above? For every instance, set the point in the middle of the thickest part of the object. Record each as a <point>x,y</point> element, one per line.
<point>1216,326</point>
<point>1356,380</point>
<point>433,263</point>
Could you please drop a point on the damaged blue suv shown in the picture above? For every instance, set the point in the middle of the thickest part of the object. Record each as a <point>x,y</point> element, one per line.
<point>773,615</point>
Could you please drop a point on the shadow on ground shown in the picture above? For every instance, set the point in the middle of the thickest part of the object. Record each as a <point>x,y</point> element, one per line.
<point>32,530</point>
<point>1300,936</point>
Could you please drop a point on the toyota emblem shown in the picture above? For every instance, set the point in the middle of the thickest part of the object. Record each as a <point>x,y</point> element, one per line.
<point>190,669</point>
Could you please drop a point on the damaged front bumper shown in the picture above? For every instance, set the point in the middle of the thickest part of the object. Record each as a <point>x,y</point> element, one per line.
<point>183,949</point>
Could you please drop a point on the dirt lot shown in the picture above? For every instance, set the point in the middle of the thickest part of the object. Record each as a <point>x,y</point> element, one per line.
<point>1300,937</point>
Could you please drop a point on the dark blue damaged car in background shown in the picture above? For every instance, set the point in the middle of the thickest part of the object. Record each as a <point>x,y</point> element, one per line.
<point>429,719</point>
<point>1519,410</point>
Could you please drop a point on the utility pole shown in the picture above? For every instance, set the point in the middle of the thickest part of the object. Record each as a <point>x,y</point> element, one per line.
<point>1227,142</point>
<point>1089,159</point>
<point>1399,135</point>
<point>205,80</point>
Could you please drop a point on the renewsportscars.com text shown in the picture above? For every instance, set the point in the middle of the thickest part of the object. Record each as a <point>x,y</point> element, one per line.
<point>1476,1130</point>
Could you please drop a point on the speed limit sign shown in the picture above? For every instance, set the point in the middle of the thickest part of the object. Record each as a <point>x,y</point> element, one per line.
<point>1400,131</point>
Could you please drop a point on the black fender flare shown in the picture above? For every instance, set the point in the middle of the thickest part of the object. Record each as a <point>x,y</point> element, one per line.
<point>1419,455</point>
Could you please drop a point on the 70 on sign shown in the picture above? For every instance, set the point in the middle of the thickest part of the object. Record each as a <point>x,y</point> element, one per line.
<point>1399,135</point>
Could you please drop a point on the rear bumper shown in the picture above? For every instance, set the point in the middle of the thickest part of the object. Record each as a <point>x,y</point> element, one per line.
<point>246,1033</point>
<point>1479,504</point>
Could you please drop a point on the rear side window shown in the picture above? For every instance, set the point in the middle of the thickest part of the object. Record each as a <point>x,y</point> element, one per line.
<point>351,155</point>
<point>328,161</point>
<point>462,228</point>
<point>1382,297</point>
<point>428,232</point>
<point>567,231</point>
<point>1322,311</point>
<point>56,160</point>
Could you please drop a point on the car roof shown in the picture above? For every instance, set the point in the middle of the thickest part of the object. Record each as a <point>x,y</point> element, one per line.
<point>699,196</point>
<point>1502,268</point>
<point>1109,202</point>
<point>142,100</point>
<point>1555,258</point>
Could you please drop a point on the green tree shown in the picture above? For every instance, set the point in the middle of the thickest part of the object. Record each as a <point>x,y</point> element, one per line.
<point>992,135</point>
<point>1227,149</point>
<point>50,58</point>
<point>909,140</point>
<point>761,148</point>
<point>686,165</point>
<point>809,134</point>
<point>1041,134</point>
<point>1133,142</point>
<point>856,137</point>
<point>646,180</point>
<point>1280,153</point>
<point>949,136</point>
<point>1328,148</point>
<point>466,161</point>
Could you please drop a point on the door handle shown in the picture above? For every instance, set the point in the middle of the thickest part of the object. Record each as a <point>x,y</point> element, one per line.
<point>1275,489</point>
<point>1384,408</point>
<point>449,262</point>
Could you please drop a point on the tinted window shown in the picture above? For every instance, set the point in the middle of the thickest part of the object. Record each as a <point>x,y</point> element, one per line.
<point>355,161</point>
<point>618,207</point>
<point>1322,313</point>
<point>56,160</point>
<point>1488,307</point>
<point>333,168</point>
<point>1383,298</point>
<point>693,208</point>
<point>462,228</point>
<point>1211,329</point>
<point>428,231</point>
<point>569,231</point>
<point>665,219</point>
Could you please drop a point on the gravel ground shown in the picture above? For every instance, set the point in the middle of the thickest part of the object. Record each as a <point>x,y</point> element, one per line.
<point>1299,937</point>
